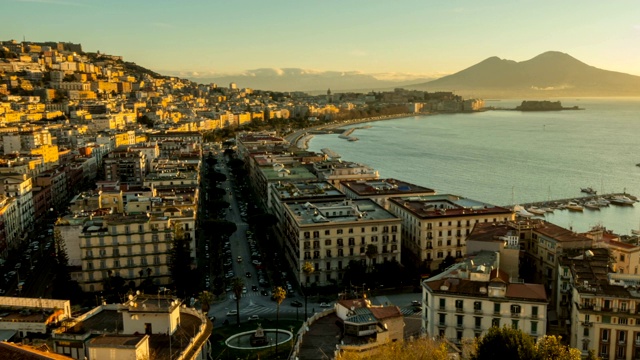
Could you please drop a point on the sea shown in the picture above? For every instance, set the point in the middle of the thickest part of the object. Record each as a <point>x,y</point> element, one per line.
<point>506,157</point>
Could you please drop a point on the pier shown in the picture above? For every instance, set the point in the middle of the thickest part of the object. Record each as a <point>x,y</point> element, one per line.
<point>330,153</point>
<point>581,200</point>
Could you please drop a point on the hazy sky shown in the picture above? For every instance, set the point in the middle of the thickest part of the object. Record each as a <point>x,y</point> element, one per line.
<point>371,36</point>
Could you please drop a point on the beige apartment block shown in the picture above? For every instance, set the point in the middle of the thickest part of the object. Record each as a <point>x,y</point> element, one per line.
<point>329,234</point>
<point>603,306</point>
<point>475,295</point>
<point>437,226</point>
<point>134,247</point>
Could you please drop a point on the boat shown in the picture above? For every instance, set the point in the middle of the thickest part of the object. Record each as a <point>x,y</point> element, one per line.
<point>353,139</point>
<point>534,210</point>
<point>574,206</point>
<point>592,204</point>
<point>588,190</point>
<point>547,209</point>
<point>602,202</point>
<point>621,200</point>
<point>520,211</point>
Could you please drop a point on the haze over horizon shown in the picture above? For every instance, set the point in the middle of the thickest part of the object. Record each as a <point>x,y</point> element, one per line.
<point>393,42</point>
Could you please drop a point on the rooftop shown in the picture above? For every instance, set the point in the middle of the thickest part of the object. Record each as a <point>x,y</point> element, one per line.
<point>385,186</point>
<point>446,205</point>
<point>289,191</point>
<point>347,210</point>
<point>121,341</point>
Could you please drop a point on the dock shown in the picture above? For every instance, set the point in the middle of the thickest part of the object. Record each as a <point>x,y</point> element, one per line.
<point>578,200</point>
<point>330,153</point>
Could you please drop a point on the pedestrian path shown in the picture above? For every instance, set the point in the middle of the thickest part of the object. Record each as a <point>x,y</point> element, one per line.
<point>249,294</point>
<point>257,309</point>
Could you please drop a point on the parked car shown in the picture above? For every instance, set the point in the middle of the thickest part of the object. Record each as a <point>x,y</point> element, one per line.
<point>296,304</point>
<point>325,305</point>
<point>253,317</point>
<point>232,312</point>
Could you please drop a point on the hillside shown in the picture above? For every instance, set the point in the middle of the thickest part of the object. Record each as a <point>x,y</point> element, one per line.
<point>551,74</point>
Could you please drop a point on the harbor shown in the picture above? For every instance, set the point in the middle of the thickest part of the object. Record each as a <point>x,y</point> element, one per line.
<point>561,204</point>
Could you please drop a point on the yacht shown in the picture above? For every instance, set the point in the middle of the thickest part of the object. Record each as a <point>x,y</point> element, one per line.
<point>574,206</point>
<point>622,200</point>
<point>520,211</point>
<point>536,211</point>
<point>588,190</point>
<point>602,202</point>
<point>593,205</point>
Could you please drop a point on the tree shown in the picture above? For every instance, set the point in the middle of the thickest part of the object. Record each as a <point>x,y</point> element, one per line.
<point>308,269</point>
<point>205,298</point>
<point>180,261</point>
<point>279,294</point>
<point>237,285</point>
<point>63,286</point>
<point>505,343</point>
<point>549,347</point>
<point>371,253</point>
<point>420,349</point>
<point>592,355</point>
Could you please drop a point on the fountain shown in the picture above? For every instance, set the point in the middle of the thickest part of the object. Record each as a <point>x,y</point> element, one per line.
<point>258,339</point>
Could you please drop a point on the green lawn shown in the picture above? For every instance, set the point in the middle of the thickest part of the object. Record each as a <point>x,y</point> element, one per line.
<point>220,333</point>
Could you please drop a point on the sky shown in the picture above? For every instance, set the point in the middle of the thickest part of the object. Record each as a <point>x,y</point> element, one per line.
<point>387,38</point>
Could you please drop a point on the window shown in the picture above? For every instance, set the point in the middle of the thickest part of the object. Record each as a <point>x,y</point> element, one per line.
<point>340,242</point>
<point>623,321</point>
<point>514,324</point>
<point>316,254</point>
<point>327,232</point>
<point>339,231</point>
<point>307,235</point>
<point>478,322</point>
<point>340,264</point>
<point>459,320</point>
<point>361,249</point>
<point>534,312</point>
<point>459,304</point>
<point>352,241</point>
<point>316,234</point>
<point>327,242</point>
<point>496,308</point>
<point>585,332</point>
<point>477,306</point>
<point>442,302</point>
<point>350,230</point>
<point>328,253</point>
<point>340,252</point>
<point>605,334</point>
<point>442,319</point>
<point>515,309</point>
<point>495,322</point>
<point>534,328</point>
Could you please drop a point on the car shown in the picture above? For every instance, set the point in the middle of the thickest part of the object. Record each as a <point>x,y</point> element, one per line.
<point>415,303</point>
<point>232,312</point>
<point>228,288</point>
<point>248,274</point>
<point>296,303</point>
<point>256,262</point>
<point>239,258</point>
<point>325,305</point>
<point>264,293</point>
<point>254,288</point>
<point>18,265</point>
<point>253,317</point>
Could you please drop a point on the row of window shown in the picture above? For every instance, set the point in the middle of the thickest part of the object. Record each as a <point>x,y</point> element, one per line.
<point>363,262</point>
<point>116,251</point>
<point>327,232</point>
<point>129,262</point>
<point>132,273</point>
<point>477,306</point>
<point>117,240</point>
<point>328,253</point>
<point>352,241</point>
<point>495,322</point>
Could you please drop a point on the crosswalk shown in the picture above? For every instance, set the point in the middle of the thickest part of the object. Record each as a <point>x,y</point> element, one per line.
<point>257,309</point>
<point>249,294</point>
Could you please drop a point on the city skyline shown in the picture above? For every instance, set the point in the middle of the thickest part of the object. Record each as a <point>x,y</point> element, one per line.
<point>413,39</point>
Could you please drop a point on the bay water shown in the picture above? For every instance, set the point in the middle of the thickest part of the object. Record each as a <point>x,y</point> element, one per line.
<point>509,157</point>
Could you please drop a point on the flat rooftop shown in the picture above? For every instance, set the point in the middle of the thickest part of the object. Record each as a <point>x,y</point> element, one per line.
<point>386,187</point>
<point>304,190</point>
<point>447,205</point>
<point>316,212</point>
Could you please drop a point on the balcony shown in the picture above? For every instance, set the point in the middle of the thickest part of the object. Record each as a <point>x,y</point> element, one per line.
<point>515,315</point>
<point>459,310</point>
<point>534,316</point>
<point>442,325</point>
<point>477,311</point>
<point>442,308</point>
<point>459,326</point>
<point>604,341</point>
<point>587,323</point>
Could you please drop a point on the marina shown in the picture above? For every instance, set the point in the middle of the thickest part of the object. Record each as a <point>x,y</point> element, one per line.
<point>593,202</point>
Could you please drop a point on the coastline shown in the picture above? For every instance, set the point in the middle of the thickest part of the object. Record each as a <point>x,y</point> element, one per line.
<point>302,141</point>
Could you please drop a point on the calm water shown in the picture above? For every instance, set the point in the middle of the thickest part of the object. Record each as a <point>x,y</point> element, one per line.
<point>503,157</point>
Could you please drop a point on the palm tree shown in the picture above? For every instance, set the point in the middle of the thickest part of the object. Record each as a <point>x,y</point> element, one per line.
<point>372,252</point>
<point>279,294</point>
<point>205,301</point>
<point>308,269</point>
<point>237,285</point>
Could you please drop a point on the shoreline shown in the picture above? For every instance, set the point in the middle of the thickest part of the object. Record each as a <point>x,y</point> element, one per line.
<point>303,141</point>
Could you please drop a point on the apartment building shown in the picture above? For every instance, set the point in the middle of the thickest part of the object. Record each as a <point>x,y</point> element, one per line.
<point>476,294</point>
<point>437,226</point>
<point>336,171</point>
<point>125,165</point>
<point>126,246</point>
<point>10,227</point>
<point>329,234</point>
<point>19,186</point>
<point>382,190</point>
<point>603,306</point>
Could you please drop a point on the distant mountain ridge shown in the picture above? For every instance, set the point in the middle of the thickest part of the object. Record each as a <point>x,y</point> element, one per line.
<point>550,74</point>
<point>296,79</point>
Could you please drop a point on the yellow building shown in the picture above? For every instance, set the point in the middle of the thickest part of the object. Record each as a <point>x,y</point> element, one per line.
<point>49,154</point>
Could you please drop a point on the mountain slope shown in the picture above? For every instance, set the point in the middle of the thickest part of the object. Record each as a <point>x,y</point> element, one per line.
<point>551,74</point>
